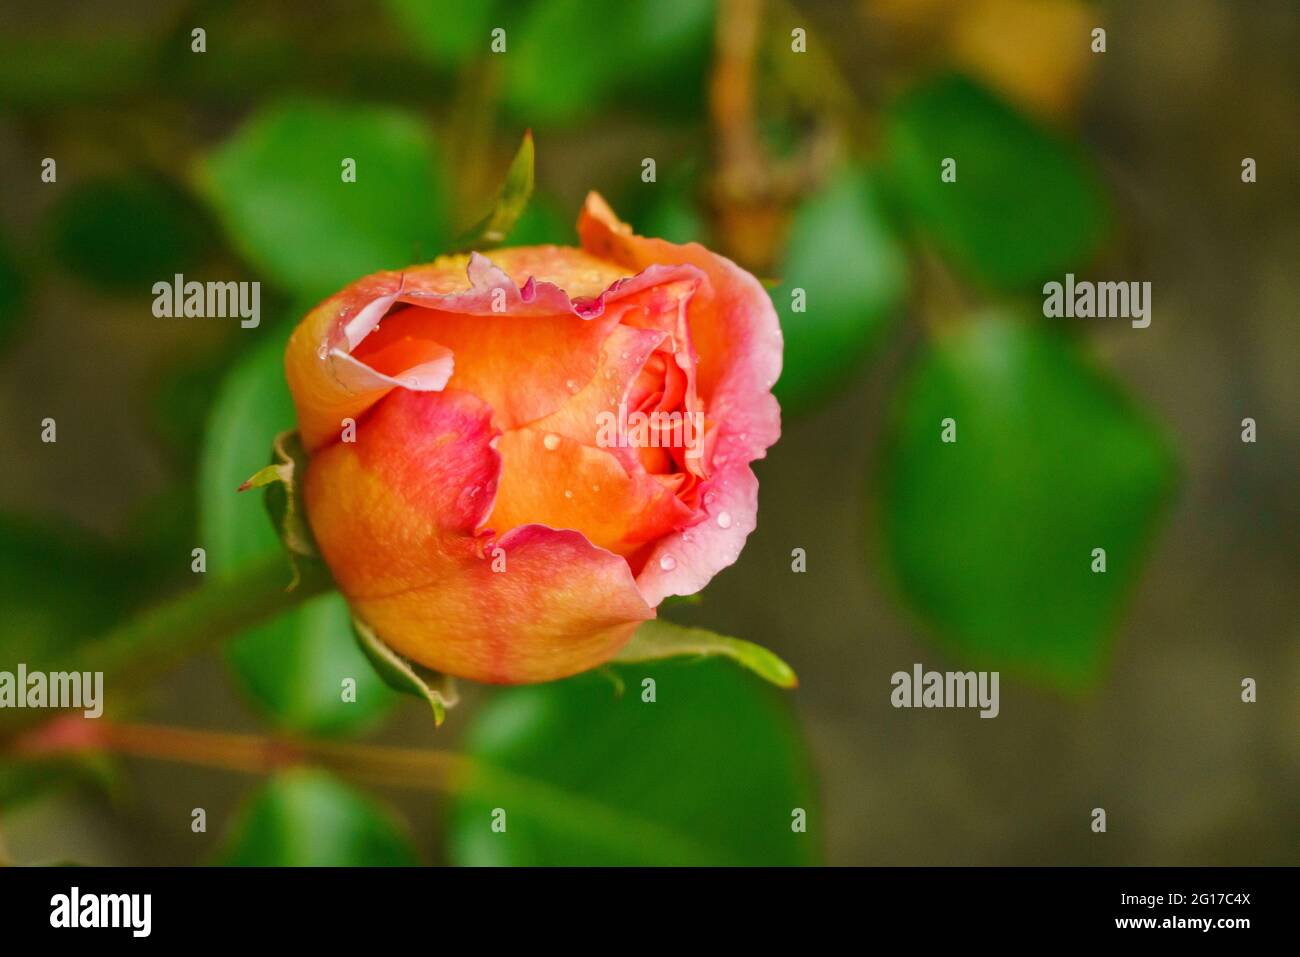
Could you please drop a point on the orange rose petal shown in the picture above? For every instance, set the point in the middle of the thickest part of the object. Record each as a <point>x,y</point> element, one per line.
<point>328,385</point>
<point>552,480</point>
<point>623,356</point>
<point>523,366</point>
<point>524,347</point>
<point>398,516</point>
<point>738,338</point>
<point>561,606</point>
<point>732,321</point>
<point>415,486</point>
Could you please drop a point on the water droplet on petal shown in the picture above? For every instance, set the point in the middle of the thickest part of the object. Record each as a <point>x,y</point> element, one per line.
<point>568,493</point>
<point>571,385</point>
<point>595,488</point>
<point>724,520</point>
<point>552,441</point>
<point>668,563</point>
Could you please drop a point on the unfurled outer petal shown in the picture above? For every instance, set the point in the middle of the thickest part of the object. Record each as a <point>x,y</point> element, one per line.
<point>737,338</point>
<point>398,516</point>
<point>523,331</point>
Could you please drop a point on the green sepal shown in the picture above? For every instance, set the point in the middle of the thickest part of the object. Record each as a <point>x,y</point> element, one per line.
<point>283,501</point>
<point>510,203</point>
<point>663,639</point>
<point>406,676</point>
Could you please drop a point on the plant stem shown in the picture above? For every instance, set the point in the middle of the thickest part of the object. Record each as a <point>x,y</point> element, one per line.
<point>384,766</point>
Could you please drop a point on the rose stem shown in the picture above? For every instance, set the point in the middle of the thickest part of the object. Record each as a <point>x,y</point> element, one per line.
<point>379,765</point>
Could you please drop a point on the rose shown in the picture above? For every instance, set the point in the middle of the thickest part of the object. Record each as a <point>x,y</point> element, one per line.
<point>515,459</point>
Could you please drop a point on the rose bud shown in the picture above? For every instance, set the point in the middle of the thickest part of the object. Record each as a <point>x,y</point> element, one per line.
<point>514,459</point>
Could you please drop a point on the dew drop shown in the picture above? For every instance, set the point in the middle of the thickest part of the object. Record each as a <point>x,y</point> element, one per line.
<point>724,520</point>
<point>595,488</point>
<point>668,563</point>
<point>568,493</point>
<point>552,441</point>
<point>571,385</point>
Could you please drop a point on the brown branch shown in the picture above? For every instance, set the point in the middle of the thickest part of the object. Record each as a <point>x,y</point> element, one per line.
<point>414,768</point>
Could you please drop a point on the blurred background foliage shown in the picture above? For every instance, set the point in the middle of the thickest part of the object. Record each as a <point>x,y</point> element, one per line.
<point>817,170</point>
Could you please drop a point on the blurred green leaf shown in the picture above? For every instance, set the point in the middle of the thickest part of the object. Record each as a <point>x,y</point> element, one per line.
<point>445,31</point>
<point>124,234</point>
<point>711,772</point>
<point>251,408</point>
<point>843,255</point>
<point>24,780</point>
<point>659,639</point>
<point>294,669</point>
<point>564,64</point>
<point>991,536</point>
<point>278,187</point>
<point>294,665</point>
<point>308,818</point>
<point>57,587</point>
<point>1025,205</point>
<point>543,222</point>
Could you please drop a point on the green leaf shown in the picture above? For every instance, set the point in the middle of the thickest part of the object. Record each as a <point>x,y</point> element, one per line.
<point>278,187</point>
<point>543,222</point>
<point>564,64</point>
<point>1025,205</point>
<point>991,536</point>
<point>446,32</point>
<point>126,233</point>
<point>511,200</point>
<point>711,772</point>
<point>252,407</point>
<point>308,818</point>
<point>57,586</point>
<point>406,676</point>
<point>292,667</point>
<point>843,255</point>
<point>663,639</point>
